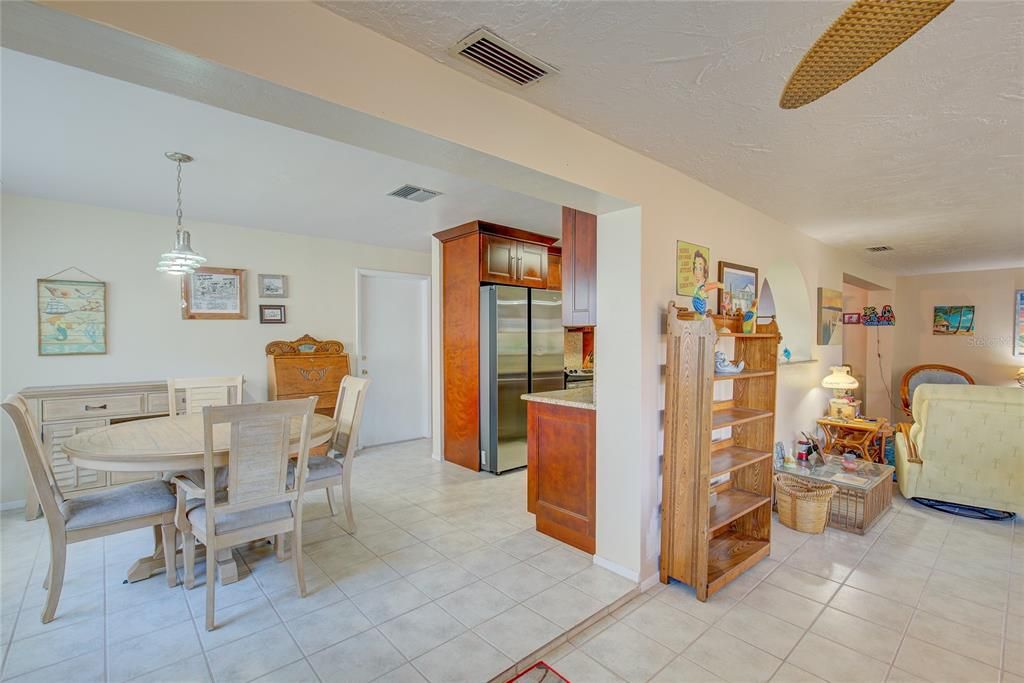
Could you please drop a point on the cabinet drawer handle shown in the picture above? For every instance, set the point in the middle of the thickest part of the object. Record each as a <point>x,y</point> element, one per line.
<point>99,407</point>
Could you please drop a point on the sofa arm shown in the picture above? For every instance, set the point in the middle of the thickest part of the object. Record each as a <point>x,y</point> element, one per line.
<point>909,447</point>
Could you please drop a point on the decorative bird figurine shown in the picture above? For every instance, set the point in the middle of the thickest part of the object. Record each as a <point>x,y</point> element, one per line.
<point>700,297</point>
<point>787,354</point>
<point>750,318</point>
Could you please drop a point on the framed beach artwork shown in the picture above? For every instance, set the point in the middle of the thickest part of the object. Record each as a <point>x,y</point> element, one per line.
<point>273,286</point>
<point>953,321</point>
<point>1018,323</point>
<point>693,266</point>
<point>72,317</point>
<point>213,294</point>
<point>830,317</point>
<point>737,288</point>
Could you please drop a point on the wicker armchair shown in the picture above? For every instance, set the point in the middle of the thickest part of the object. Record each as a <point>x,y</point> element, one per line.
<point>930,373</point>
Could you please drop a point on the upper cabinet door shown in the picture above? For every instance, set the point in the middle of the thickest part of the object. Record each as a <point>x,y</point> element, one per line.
<point>498,260</point>
<point>532,268</point>
<point>579,268</point>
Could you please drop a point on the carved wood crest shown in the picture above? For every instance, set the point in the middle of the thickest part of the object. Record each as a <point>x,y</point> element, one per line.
<point>304,344</point>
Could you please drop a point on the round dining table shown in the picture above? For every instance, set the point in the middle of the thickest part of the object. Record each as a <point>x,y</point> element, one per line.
<point>166,445</point>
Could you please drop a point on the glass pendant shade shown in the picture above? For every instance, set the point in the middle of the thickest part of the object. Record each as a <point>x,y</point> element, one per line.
<point>181,259</point>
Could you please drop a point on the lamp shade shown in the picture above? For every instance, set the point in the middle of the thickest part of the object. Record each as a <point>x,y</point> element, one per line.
<point>840,379</point>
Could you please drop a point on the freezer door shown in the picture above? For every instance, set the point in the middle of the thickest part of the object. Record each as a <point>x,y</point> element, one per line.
<point>547,341</point>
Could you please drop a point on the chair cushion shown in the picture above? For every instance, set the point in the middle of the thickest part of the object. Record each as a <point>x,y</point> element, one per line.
<point>932,376</point>
<point>240,520</point>
<point>140,499</point>
<point>320,467</point>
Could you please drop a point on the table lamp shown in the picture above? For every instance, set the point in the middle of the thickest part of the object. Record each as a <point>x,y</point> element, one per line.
<point>841,381</point>
<point>1020,377</point>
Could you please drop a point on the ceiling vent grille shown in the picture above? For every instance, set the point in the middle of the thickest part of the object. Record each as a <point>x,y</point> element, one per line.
<point>414,194</point>
<point>879,248</point>
<point>500,57</point>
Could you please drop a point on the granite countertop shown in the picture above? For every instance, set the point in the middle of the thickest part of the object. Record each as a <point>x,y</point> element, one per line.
<point>571,398</point>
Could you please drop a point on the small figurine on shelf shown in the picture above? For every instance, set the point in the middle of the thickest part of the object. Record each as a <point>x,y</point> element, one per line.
<point>787,354</point>
<point>723,366</point>
<point>780,454</point>
<point>750,319</point>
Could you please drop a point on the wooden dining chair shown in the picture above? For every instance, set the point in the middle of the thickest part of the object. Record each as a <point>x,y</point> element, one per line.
<point>335,468</point>
<point>104,513</point>
<point>204,391</point>
<point>258,501</point>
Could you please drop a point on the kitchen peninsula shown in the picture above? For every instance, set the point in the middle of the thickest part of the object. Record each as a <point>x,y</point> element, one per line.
<point>561,464</point>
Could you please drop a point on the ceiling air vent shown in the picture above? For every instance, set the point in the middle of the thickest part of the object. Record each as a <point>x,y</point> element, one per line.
<point>881,247</point>
<point>414,194</point>
<point>500,57</point>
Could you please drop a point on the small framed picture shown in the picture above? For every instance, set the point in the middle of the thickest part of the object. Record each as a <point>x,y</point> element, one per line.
<point>272,314</point>
<point>273,286</point>
<point>851,318</point>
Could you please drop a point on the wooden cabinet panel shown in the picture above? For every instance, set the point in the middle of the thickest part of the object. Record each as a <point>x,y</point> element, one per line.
<point>555,271</point>
<point>560,472</point>
<point>70,478</point>
<point>532,270</point>
<point>304,367</point>
<point>460,306</point>
<point>579,268</point>
<point>499,260</point>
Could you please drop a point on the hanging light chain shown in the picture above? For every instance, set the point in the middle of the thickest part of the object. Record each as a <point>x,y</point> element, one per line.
<point>179,194</point>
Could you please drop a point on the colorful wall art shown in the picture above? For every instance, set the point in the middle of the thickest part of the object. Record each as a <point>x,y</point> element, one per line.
<point>830,317</point>
<point>72,317</point>
<point>954,320</point>
<point>1018,323</point>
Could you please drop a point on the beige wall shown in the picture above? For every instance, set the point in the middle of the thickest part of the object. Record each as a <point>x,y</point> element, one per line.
<point>988,355</point>
<point>301,46</point>
<point>147,339</point>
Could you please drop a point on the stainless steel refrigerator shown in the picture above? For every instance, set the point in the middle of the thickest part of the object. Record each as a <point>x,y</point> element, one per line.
<point>522,348</point>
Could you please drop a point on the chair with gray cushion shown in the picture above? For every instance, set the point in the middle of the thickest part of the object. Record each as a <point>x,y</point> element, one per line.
<point>335,469</point>
<point>93,515</point>
<point>931,373</point>
<point>260,499</point>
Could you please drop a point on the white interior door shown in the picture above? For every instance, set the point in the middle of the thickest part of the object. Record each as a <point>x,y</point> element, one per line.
<point>394,354</point>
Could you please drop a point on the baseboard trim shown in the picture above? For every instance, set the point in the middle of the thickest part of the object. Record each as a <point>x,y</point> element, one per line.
<point>617,569</point>
<point>12,505</point>
<point>649,582</point>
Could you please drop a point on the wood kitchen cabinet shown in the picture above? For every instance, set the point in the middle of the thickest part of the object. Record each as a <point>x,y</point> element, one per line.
<point>506,261</point>
<point>579,268</point>
<point>473,254</point>
<point>561,476</point>
<point>555,268</point>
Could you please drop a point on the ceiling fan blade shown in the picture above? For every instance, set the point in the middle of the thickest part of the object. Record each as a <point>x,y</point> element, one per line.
<point>867,31</point>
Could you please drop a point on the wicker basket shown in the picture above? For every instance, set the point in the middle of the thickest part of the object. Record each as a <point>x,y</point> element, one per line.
<point>803,505</point>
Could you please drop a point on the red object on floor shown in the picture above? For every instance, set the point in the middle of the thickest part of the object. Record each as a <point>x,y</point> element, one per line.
<point>541,671</point>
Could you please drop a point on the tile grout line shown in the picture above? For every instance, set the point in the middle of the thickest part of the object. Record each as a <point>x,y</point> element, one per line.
<point>21,607</point>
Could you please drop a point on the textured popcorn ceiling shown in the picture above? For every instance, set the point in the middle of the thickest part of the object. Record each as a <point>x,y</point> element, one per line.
<point>923,152</point>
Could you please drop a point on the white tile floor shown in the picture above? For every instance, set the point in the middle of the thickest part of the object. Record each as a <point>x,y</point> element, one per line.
<point>923,597</point>
<point>445,581</point>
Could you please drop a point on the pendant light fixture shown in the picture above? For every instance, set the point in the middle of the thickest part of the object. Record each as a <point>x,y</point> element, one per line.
<point>181,259</point>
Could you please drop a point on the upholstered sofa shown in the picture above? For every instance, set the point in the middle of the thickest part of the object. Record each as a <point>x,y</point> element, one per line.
<point>966,446</point>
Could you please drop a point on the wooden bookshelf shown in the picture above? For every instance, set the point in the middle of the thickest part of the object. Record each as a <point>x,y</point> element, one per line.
<point>707,541</point>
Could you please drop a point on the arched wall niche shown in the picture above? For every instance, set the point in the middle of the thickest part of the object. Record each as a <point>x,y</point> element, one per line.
<point>784,294</point>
